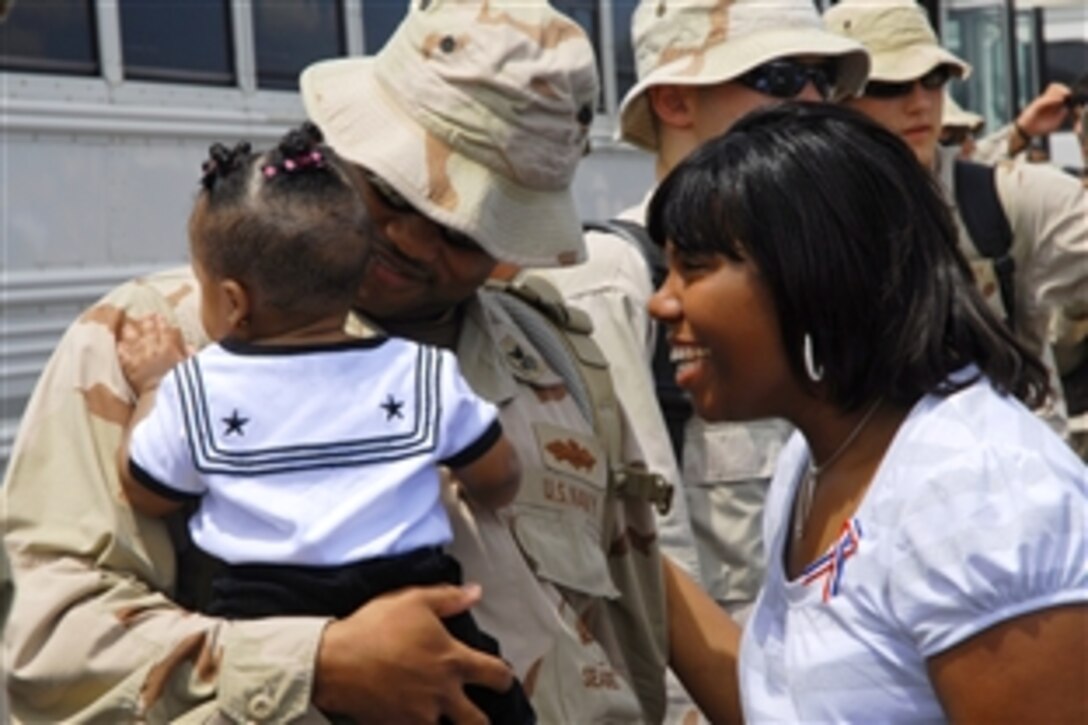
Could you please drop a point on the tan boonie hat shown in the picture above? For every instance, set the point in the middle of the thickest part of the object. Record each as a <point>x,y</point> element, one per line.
<point>898,36</point>
<point>477,112</point>
<point>954,116</point>
<point>705,42</point>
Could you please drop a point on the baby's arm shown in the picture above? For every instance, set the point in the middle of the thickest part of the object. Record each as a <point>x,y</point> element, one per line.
<point>148,349</point>
<point>492,479</point>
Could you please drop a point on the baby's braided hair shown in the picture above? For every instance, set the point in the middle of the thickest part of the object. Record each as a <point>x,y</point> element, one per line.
<point>299,151</point>
<point>287,223</point>
<point>222,162</point>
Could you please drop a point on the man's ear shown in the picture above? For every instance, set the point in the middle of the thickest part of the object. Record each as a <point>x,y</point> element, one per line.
<point>239,306</point>
<point>673,105</point>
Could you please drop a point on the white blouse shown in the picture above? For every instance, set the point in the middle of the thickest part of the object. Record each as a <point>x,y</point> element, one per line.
<point>977,514</point>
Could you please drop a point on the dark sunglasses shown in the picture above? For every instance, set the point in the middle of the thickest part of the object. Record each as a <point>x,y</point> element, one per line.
<point>931,81</point>
<point>954,136</point>
<point>787,78</point>
<point>393,199</point>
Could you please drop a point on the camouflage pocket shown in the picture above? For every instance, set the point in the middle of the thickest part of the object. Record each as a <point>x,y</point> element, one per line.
<point>560,511</point>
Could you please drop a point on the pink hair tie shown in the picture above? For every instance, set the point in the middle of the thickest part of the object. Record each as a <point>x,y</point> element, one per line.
<point>269,171</point>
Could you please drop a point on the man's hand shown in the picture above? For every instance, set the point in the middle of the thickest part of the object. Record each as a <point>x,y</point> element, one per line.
<point>393,661</point>
<point>1046,114</point>
<point>149,347</point>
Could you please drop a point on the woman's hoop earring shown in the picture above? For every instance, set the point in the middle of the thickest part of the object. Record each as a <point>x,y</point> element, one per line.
<point>815,372</point>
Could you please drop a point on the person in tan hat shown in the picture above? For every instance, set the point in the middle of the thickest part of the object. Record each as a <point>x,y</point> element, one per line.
<point>908,63</point>
<point>959,126</point>
<point>703,64</point>
<point>1046,210</point>
<point>463,135</point>
<point>905,48</point>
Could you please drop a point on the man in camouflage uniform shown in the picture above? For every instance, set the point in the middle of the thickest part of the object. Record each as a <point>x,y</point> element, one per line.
<point>690,55</point>
<point>467,128</point>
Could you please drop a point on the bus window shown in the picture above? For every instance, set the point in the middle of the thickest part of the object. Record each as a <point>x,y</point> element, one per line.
<point>626,73</point>
<point>291,35</point>
<point>181,41</point>
<point>977,33</point>
<point>380,19</point>
<point>1066,34</point>
<point>587,14</point>
<point>1067,60</point>
<point>50,37</point>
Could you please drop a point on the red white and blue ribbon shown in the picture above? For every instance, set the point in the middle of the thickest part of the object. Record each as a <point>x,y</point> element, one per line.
<point>830,566</point>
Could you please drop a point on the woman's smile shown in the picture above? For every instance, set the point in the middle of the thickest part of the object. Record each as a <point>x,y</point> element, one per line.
<point>689,362</point>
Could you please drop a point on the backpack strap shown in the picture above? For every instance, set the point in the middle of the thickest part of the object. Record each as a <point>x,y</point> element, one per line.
<point>980,208</point>
<point>676,407</point>
<point>637,235</point>
<point>562,335</point>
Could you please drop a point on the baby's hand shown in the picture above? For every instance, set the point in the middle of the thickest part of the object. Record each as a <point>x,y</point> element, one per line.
<point>147,350</point>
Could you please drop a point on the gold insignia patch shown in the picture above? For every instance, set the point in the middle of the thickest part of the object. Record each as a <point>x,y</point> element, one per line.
<point>569,454</point>
<point>569,451</point>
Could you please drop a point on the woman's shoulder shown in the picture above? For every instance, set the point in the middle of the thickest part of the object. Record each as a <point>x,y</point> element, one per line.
<point>984,511</point>
<point>973,458</point>
<point>977,427</point>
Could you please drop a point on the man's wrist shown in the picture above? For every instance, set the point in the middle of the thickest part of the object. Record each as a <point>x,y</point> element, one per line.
<point>1019,139</point>
<point>268,668</point>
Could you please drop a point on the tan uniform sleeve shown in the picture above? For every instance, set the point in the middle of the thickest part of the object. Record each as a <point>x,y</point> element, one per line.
<point>93,634</point>
<point>1048,212</point>
<point>993,147</point>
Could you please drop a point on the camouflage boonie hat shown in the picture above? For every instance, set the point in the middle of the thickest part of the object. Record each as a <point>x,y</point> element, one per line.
<point>477,112</point>
<point>898,36</point>
<point>954,116</point>
<point>705,42</point>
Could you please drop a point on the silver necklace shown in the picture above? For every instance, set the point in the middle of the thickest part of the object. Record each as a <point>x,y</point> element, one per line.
<point>813,471</point>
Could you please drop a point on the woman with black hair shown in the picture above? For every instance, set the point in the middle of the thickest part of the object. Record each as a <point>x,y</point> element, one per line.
<point>925,531</point>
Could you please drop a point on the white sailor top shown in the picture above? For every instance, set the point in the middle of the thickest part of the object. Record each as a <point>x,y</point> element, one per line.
<point>320,455</point>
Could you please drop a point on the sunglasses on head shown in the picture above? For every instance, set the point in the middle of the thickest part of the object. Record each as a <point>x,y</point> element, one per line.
<point>931,81</point>
<point>394,200</point>
<point>787,78</point>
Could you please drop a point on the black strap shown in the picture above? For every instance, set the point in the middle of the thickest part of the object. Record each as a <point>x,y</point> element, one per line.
<point>636,234</point>
<point>980,208</point>
<point>674,403</point>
